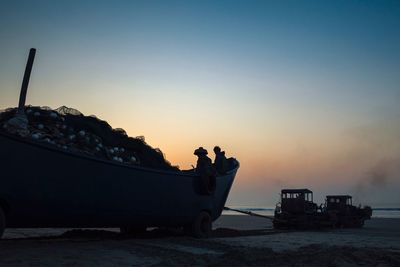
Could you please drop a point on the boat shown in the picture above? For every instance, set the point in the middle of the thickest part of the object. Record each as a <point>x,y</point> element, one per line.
<point>44,186</point>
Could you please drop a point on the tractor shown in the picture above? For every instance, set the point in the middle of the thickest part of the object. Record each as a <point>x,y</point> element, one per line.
<point>297,210</point>
<point>348,216</point>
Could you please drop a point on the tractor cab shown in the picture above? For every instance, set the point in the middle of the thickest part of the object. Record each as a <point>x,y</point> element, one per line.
<point>297,201</point>
<point>339,203</point>
<point>348,215</point>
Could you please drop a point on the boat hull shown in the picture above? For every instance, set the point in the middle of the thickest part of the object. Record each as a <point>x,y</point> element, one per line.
<point>43,186</point>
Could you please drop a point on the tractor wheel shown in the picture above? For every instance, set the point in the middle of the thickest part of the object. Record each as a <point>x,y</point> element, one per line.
<point>279,224</point>
<point>359,223</point>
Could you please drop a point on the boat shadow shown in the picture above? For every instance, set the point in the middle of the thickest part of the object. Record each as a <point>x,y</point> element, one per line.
<point>156,233</point>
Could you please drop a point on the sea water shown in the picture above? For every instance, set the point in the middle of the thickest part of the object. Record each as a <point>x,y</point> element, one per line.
<point>269,211</point>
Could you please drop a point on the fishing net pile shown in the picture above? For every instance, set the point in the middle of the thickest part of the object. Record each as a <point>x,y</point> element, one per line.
<point>70,130</point>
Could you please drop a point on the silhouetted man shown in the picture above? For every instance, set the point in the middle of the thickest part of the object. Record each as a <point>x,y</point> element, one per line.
<point>204,163</point>
<point>220,162</point>
<point>206,171</point>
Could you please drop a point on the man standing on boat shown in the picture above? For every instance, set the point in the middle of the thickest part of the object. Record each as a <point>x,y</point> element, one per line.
<point>206,171</point>
<point>220,162</point>
<point>204,163</point>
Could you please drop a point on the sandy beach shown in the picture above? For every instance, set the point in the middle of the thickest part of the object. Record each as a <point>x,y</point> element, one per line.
<point>236,241</point>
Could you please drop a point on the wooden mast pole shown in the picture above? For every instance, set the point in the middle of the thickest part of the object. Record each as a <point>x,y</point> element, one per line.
<point>25,81</point>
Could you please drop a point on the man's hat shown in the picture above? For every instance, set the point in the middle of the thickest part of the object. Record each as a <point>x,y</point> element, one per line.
<point>200,151</point>
<point>217,149</point>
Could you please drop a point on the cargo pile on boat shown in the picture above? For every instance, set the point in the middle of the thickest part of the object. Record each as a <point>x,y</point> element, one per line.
<point>69,130</point>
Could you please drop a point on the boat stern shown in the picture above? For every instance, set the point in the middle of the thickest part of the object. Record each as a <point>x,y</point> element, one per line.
<point>223,187</point>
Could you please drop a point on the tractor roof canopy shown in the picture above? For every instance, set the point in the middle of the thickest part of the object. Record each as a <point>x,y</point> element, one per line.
<point>294,191</point>
<point>298,194</point>
<point>339,196</point>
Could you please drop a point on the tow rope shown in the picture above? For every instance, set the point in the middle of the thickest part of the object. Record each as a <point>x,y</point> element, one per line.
<point>250,213</point>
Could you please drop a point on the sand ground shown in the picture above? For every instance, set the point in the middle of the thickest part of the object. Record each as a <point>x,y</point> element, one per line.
<point>236,241</point>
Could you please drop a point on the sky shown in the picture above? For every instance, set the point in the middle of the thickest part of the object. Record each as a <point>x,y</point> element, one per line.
<point>305,94</point>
